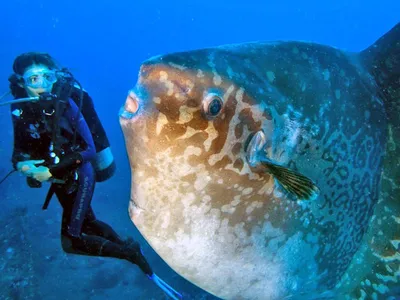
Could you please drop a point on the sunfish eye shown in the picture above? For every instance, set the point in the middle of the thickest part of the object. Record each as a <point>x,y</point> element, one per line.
<point>212,105</point>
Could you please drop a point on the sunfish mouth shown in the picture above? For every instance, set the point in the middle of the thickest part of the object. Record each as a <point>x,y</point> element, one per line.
<point>131,107</point>
<point>136,206</point>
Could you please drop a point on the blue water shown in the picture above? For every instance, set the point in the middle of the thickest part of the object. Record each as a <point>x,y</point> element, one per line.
<point>103,43</point>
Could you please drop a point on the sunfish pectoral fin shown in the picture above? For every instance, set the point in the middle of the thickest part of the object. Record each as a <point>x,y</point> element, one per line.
<point>302,187</point>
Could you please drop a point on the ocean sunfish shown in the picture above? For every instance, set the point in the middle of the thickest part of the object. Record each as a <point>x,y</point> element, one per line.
<point>256,167</point>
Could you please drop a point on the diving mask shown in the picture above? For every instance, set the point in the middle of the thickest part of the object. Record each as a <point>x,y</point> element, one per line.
<point>39,77</point>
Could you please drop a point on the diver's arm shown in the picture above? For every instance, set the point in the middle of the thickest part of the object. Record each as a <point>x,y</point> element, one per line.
<point>18,158</point>
<point>82,130</point>
<point>90,114</point>
<point>75,159</point>
<point>104,163</point>
<point>18,155</point>
<point>21,160</point>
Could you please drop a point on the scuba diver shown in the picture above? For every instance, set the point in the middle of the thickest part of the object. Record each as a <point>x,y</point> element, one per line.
<point>58,138</point>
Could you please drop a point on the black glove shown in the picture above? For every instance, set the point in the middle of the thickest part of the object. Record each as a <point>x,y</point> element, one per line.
<point>33,183</point>
<point>66,164</point>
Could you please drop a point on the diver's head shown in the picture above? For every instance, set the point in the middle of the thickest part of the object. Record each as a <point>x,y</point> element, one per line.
<point>36,72</point>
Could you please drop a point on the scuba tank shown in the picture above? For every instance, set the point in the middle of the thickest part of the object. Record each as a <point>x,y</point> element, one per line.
<point>68,87</point>
<point>104,163</point>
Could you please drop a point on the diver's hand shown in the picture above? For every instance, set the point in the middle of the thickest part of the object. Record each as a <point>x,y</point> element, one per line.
<point>25,167</point>
<point>40,173</point>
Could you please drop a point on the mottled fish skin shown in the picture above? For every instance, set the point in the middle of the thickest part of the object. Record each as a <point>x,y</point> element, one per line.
<point>375,270</point>
<point>220,224</point>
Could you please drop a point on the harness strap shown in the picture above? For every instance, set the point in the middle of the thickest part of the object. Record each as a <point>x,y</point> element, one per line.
<point>50,194</point>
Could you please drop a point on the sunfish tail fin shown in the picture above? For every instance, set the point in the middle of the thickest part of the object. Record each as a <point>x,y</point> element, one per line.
<point>382,240</point>
<point>382,60</point>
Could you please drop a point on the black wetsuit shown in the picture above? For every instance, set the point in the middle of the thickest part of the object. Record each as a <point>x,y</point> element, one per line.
<point>81,232</point>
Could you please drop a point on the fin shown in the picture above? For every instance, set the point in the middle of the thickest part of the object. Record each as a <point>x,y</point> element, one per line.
<point>168,290</point>
<point>297,184</point>
<point>380,247</point>
<point>382,60</point>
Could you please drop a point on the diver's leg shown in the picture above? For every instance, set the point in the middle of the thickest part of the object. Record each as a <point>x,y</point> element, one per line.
<point>83,198</point>
<point>92,226</point>
<point>92,245</point>
<point>76,211</point>
<point>89,224</point>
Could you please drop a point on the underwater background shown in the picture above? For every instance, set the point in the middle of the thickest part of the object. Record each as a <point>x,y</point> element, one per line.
<point>103,43</point>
